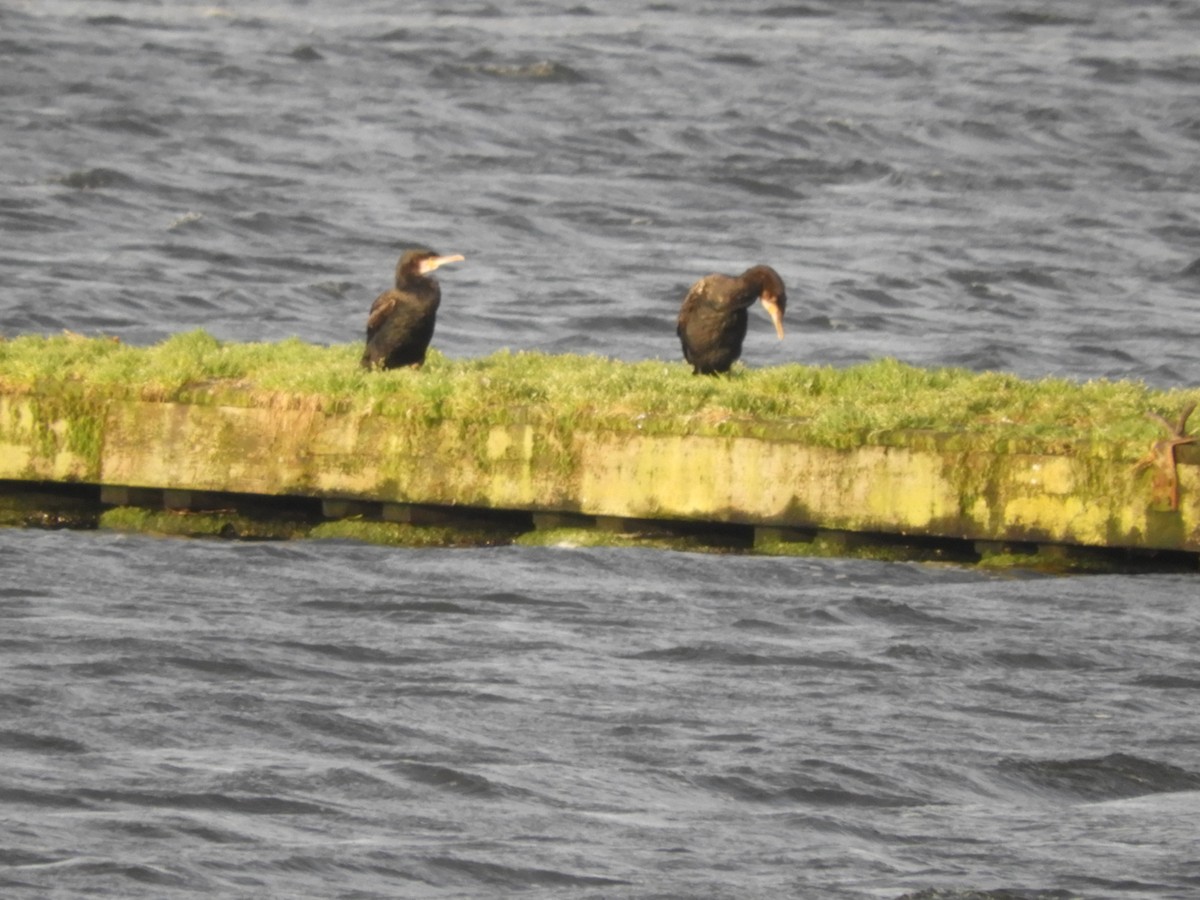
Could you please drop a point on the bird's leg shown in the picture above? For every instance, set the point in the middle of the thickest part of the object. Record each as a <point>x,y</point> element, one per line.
<point>1161,457</point>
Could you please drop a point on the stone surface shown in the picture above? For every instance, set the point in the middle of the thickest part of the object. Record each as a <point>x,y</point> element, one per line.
<point>932,488</point>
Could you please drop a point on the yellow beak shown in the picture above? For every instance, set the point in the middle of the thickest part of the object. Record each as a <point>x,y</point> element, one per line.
<point>776,314</point>
<point>434,262</point>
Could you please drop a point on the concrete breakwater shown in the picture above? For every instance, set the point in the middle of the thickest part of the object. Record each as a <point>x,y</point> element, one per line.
<point>908,462</point>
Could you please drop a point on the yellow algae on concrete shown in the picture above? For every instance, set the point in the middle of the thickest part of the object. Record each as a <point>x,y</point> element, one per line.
<point>876,489</point>
<point>1069,519</point>
<point>641,476</point>
<point>510,454</point>
<point>40,439</point>
<point>1052,475</point>
<point>215,448</point>
<point>766,482</point>
<point>931,488</point>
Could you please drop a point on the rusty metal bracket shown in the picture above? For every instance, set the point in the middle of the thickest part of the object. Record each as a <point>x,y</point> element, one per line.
<point>1161,457</point>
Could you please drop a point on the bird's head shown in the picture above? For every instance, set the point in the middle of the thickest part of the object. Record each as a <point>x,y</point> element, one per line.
<point>772,295</point>
<point>414,263</point>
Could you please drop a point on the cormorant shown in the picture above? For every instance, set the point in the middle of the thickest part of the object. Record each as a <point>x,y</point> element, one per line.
<point>712,320</point>
<point>400,325</point>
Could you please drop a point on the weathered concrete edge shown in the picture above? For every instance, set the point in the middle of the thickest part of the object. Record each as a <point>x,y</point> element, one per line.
<point>963,494</point>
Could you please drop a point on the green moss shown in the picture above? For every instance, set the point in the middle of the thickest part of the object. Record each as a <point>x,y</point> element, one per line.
<point>859,546</point>
<point>40,509</point>
<point>397,534</point>
<point>66,421</point>
<point>885,401</point>
<point>598,537</point>
<point>199,524</point>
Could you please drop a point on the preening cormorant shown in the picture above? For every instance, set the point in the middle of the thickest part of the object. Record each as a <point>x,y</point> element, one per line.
<point>400,325</point>
<point>712,320</point>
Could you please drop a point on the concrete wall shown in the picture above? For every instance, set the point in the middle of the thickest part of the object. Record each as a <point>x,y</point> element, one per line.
<point>927,486</point>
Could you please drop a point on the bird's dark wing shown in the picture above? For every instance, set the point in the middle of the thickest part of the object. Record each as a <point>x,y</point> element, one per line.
<point>697,298</point>
<point>381,309</point>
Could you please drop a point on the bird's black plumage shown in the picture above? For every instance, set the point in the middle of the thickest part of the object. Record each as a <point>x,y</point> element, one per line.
<point>713,317</point>
<point>400,324</point>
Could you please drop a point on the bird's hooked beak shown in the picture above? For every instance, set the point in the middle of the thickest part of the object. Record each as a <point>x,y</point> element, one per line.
<point>775,310</point>
<point>429,263</point>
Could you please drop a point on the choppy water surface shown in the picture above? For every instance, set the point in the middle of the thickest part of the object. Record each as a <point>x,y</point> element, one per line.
<point>970,183</point>
<point>984,184</point>
<point>340,720</point>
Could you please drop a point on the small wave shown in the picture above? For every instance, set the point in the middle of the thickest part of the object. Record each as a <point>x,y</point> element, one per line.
<point>255,805</point>
<point>735,738</point>
<point>818,323</point>
<point>24,593</point>
<point>385,609</point>
<point>25,221</point>
<point>1168,682</point>
<point>832,796</point>
<point>483,11</point>
<point>272,223</point>
<point>761,625</point>
<point>39,743</point>
<point>543,71</point>
<point>224,668</point>
<point>742,60</point>
<point>1041,18</point>
<point>760,188</point>
<point>518,877</point>
<point>143,874</point>
<point>1112,777</point>
<point>343,728</point>
<point>306,53</point>
<point>29,797</point>
<point>883,609</point>
<point>336,290</point>
<point>976,278</point>
<point>16,858</point>
<point>1191,270</point>
<point>435,607</point>
<point>395,34</point>
<point>509,598</point>
<point>94,179</point>
<point>819,617</point>
<point>997,894</point>
<point>10,48</point>
<point>132,123</point>
<point>794,12</point>
<point>448,779</point>
<point>723,656</point>
<point>116,22</point>
<point>355,653</point>
<point>880,298</point>
<point>1041,661</point>
<point>1106,352</point>
<point>1111,71</point>
<point>214,835</point>
<point>1185,71</point>
<point>920,654</point>
<point>631,324</point>
<point>811,795</point>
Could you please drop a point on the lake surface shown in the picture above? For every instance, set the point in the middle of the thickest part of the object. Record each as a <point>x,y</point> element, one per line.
<point>976,184</point>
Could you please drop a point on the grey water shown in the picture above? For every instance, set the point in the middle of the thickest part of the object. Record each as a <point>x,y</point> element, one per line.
<point>993,185</point>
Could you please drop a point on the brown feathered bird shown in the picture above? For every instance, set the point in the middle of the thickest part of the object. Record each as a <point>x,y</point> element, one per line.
<point>712,320</point>
<point>400,325</point>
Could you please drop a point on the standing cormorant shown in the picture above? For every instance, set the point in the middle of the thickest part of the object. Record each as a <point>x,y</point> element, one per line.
<point>712,320</point>
<point>400,325</point>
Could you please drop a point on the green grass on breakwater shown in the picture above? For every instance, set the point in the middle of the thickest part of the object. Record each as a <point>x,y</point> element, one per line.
<point>884,401</point>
